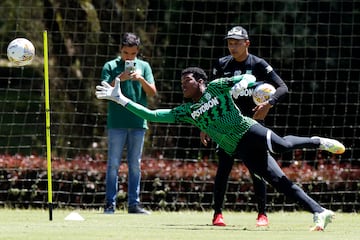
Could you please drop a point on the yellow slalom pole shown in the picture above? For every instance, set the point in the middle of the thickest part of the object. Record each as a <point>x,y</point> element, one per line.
<point>47,115</point>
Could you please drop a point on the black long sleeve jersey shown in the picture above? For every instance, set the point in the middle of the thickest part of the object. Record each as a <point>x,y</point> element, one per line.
<point>227,67</point>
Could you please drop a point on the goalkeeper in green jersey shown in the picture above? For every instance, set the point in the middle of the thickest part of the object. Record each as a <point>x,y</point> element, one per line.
<point>213,111</point>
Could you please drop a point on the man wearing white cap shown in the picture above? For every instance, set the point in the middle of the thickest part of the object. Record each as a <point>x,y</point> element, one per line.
<point>240,61</point>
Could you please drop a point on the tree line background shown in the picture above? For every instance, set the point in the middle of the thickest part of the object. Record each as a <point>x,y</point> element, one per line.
<point>311,44</point>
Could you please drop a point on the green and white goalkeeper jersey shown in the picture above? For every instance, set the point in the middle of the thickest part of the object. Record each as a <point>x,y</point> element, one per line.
<point>215,114</point>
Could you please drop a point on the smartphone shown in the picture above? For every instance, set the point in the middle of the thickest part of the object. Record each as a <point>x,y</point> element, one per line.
<point>130,66</point>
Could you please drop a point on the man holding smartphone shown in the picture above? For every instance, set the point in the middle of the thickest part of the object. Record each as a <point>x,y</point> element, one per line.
<point>125,128</point>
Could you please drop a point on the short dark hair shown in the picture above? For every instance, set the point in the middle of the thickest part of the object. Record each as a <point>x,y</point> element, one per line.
<point>198,73</point>
<point>129,40</point>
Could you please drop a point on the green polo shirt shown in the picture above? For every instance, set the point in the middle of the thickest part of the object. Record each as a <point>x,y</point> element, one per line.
<point>118,116</point>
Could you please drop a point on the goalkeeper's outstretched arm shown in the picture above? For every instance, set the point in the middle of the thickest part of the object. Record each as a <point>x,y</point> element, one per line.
<point>106,91</point>
<point>158,115</point>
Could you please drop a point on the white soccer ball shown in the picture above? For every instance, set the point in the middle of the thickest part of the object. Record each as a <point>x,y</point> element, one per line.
<point>263,93</point>
<point>21,51</point>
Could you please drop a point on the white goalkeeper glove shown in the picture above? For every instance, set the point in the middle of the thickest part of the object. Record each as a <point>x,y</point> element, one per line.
<point>239,87</point>
<point>106,91</point>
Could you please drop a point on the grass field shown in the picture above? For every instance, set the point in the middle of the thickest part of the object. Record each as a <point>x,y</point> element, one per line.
<point>35,224</point>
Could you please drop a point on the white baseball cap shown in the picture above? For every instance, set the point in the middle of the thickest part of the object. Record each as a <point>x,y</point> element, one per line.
<point>237,32</point>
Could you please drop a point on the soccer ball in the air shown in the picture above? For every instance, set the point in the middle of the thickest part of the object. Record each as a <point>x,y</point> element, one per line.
<point>263,93</point>
<point>21,51</point>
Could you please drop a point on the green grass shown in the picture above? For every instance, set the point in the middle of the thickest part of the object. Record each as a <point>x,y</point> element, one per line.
<point>35,224</point>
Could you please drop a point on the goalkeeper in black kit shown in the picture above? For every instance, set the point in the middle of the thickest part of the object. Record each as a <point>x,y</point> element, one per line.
<point>238,62</point>
<point>214,112</point>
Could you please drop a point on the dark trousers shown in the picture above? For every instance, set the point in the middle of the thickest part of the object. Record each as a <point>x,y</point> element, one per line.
<point>221,180</point>
<point>253,150</point>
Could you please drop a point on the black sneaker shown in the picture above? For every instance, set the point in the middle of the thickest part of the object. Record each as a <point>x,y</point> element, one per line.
<point>109,209</point>
<point>137,210</point>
